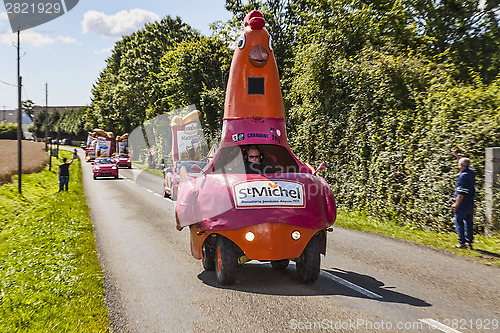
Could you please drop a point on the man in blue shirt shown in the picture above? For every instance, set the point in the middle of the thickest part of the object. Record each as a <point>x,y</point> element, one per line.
<point>464,204</point>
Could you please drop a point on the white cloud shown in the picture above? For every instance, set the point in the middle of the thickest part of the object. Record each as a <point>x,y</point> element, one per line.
<point>103,51</point>
<point>121,23</point>
<point>3,17</point>
<point>34,38</point>
<point>67,40</point>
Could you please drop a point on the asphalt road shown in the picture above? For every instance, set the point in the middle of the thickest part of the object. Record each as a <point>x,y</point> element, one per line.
<point>368,283</point>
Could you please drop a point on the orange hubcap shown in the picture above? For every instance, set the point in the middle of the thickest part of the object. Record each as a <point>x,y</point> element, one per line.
<point>219,260</point>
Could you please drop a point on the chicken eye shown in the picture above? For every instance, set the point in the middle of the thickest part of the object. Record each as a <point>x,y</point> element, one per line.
<point>241,41</point>
<point>271,43</point>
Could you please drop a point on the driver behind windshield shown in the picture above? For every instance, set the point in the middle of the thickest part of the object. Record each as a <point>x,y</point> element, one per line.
<point>253,160</point>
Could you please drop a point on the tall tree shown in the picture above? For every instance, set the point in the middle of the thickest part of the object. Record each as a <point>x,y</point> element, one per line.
<point>122,98</point>
<point>463,31</point>
<point>28,106</point>
<point>195,72</point>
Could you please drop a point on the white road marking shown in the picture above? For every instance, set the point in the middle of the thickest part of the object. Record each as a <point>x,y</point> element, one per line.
<point>437,325</point>
<point>341,281</point>
<point>350,285</point>
<point>147,189</point>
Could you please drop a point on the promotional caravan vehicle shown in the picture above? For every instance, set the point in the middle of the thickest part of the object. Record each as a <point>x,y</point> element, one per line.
<point>104,167</point>
<point>172,176</point>
<point>122,157</point>
<point>122,144</point>
<point>185,153</point>
<point>90,147</point>
<point>238,210</point>
<point>104,145</point>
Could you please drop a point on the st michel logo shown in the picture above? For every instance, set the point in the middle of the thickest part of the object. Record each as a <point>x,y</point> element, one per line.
<point>269,194</point>
<point>26,14</point>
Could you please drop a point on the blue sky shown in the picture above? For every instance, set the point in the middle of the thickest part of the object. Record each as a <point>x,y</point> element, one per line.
<point>69,52</point>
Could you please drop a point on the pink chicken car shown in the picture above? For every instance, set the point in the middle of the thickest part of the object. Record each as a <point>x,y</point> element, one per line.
<point>255,200</point>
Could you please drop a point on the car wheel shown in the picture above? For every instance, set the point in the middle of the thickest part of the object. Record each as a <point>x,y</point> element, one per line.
<point>309,262</point>
<point>95,177</point>
<point>280,264</point>
<point>165,194</point>
<point>208,260</point>
<point>226,262</point>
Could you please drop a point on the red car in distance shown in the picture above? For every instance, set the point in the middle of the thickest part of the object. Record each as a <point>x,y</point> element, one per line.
<point>172,176</point>
<point>123,161</point>
<point>104,167</point>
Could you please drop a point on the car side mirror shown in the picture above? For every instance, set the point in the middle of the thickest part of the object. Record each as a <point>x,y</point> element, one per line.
<point>196,168</point>
<point>322,166</point>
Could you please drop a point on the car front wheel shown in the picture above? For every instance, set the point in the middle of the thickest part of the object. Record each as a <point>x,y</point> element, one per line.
<point>226,262</point>
<point>308,264</point>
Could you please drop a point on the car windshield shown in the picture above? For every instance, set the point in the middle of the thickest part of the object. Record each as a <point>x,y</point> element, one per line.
<point>274,159</point>
<point>189,165</point>
<point>104,161</point>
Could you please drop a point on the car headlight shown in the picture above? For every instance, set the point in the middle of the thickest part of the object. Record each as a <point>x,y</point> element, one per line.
<point>113,167</point>
<point>96,167</point>
<point>296,235</point>
<point>249,236</point>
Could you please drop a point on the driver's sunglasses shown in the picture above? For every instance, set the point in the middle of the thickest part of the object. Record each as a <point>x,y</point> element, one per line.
<point>253,156</point>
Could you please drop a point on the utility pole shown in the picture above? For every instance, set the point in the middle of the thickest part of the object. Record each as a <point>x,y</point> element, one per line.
<point>46,116</point>
<point>19,118</point>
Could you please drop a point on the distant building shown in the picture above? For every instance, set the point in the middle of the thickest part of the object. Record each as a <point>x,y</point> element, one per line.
<point>10,116</point>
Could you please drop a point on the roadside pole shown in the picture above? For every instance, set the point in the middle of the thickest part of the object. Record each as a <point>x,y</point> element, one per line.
<point>491,173</point>
<point>50,156</point>
<point>19,119</point>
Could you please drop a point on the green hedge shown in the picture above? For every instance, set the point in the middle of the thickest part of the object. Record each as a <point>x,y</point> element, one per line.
<point>385,123</point>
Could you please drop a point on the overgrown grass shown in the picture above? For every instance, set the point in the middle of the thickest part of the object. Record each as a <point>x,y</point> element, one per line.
<point>486,250</point>
<point>50,278</point>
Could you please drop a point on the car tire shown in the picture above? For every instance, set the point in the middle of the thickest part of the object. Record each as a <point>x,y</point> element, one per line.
<point>280,264</point>
<point>309,262</point>
<point>226,262</point>
<point>208,259</point>
<point>95,177</point>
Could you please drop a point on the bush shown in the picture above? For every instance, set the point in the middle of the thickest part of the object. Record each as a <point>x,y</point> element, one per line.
<point>8,131</point>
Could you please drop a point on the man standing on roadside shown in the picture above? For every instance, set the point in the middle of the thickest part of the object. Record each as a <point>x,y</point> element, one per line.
<point>63,173</point>
<point>463,207</point>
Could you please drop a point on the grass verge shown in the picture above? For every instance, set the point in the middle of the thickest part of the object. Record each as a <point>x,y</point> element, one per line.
<point>486,250</point>
<point>50,278</point>
<point>144,167</point>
